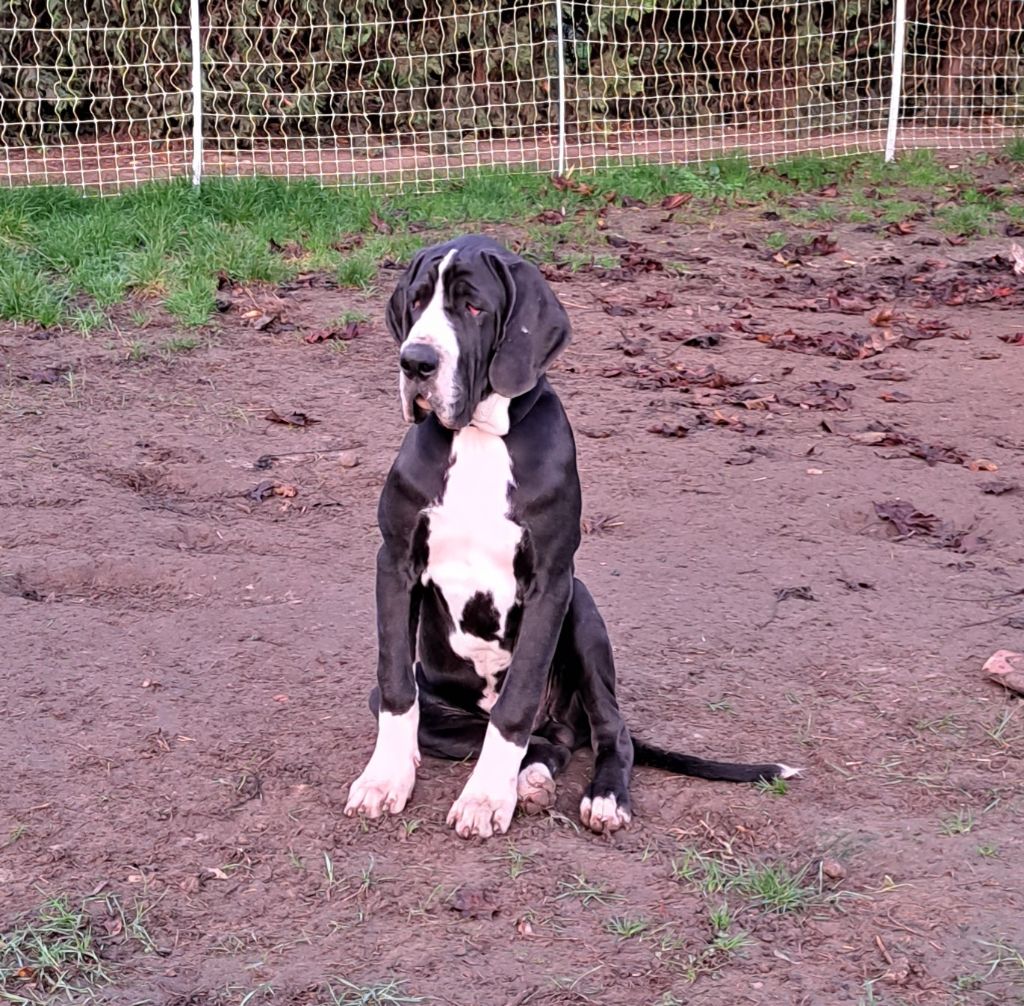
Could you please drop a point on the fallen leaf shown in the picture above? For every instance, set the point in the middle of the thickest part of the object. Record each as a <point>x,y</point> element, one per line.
<point>350,330</point>
<point>802,593</point>
<point>906,518</point>
<point>660,299</point>
<point>901,227</point>
<point>290,419</point>
<point>824,395</point>
<point>669,429</point>
<point>1012,339</point>
<point>262,320</point>
<point>676,200</point>
<point>524,927</point>
<point>46,375</point>
<point>983,465</point>
<point>909,522</point>
<point>266,489</point>
<point>1007,668</point>
<point>882,317</point>
<point>997,487</point>
<point>1017,254</point>
<point>894,396</point>
<point>474,903</point>
<point>380,225</point>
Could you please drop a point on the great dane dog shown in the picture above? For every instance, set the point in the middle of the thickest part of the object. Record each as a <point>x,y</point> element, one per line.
<point>489,646</point>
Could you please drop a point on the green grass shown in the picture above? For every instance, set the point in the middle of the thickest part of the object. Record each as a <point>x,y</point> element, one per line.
<point>1015,149</point>
<point>588,892</point>
<point>772,888</point>
<point>341,992</point>
<point>179,345</point>
<point>65,256</point>
<point>625,927</point>
<point>960,823</point>
<point>965,220</point>
<point>777,787</point>
<point>55,954</point>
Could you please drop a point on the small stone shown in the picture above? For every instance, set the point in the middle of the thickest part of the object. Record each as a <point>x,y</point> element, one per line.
<point>833,869</point>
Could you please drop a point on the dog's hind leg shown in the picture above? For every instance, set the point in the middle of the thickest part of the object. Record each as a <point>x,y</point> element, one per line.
<point>535,786</point>
<point>586,651</point>
<point>445,731</point>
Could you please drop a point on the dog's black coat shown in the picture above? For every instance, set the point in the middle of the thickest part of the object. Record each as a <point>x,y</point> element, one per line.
<point>558,693</point>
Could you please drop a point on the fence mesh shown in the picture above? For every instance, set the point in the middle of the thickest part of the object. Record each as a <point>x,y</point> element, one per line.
<point>98,95</point>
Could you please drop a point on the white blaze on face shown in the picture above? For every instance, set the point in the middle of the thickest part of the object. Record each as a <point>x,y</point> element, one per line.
<point>434,328</point>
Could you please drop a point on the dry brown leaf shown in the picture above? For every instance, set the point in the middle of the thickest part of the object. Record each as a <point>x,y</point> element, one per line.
<point>1007,668</point>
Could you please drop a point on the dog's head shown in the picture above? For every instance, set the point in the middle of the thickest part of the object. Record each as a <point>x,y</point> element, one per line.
<point>476,326</point>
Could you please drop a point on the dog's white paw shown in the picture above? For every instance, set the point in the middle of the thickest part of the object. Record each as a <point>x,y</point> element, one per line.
<point>603,815</point>
<point>377,792</point>
<point>535,788</point>
<point>482,814</point>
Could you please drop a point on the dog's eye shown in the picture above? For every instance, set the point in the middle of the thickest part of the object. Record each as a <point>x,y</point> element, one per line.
<point>472,310</point>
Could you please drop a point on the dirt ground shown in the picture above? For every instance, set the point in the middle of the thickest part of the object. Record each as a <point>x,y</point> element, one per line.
<point>804,535</point>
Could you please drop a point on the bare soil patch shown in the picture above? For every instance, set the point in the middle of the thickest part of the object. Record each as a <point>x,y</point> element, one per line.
<point>803,474</point>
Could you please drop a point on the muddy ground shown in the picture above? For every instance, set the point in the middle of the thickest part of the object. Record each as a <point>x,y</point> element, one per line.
<point>803,531</point>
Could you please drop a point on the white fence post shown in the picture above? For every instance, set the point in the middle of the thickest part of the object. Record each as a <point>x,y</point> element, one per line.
<point>197,95</point>
<point>899,40</point>
<point>561,88</point>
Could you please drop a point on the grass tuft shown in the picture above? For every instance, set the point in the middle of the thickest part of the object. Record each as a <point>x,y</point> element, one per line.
<point>342,992</point>
<point>770,887</point>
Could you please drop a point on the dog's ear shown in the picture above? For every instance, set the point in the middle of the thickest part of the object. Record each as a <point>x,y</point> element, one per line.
<point>397,313</point>
<point>533,330</point>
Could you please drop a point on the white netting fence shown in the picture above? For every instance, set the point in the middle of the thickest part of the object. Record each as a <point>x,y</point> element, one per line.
<point>102,95</point>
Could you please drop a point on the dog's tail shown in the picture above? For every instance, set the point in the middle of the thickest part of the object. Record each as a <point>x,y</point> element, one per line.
<point>702,768</point>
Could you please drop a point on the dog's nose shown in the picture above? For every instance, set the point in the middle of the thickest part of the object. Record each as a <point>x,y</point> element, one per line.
<point>419,360</point>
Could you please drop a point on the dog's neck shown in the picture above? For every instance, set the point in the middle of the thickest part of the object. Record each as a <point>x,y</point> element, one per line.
<point>497,414</point>
<point>491,415</point>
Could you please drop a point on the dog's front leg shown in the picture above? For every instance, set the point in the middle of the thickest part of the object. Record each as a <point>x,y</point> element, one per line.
<point>488,799</point>
<point>388,779</point>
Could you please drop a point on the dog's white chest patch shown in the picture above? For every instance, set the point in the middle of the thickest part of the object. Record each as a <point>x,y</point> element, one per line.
<point>472,547</point>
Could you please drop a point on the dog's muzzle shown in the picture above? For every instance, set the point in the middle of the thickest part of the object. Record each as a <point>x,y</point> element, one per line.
<point>419,362</point>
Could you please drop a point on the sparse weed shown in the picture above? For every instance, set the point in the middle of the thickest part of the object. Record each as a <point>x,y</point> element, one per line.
<point>58,952</point>
<point>960,823</point>
<point>770,887</point>
<point>715,955</point>
<point>625,927</point>
<point>997,732</point>
<point>774,787</point>
<point>179,345</point>
<point>589,893</point>
<point>342,992</point>
<point>1015,149</point>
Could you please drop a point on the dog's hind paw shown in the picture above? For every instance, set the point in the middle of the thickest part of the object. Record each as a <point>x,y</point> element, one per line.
<point>603,815</point>
<point>535,788</point>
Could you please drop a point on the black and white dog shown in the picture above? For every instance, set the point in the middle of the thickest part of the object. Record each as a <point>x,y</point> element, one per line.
<point>488,644</point>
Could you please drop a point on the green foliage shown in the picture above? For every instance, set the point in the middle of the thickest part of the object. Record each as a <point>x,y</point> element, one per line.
<point>375,71</point>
